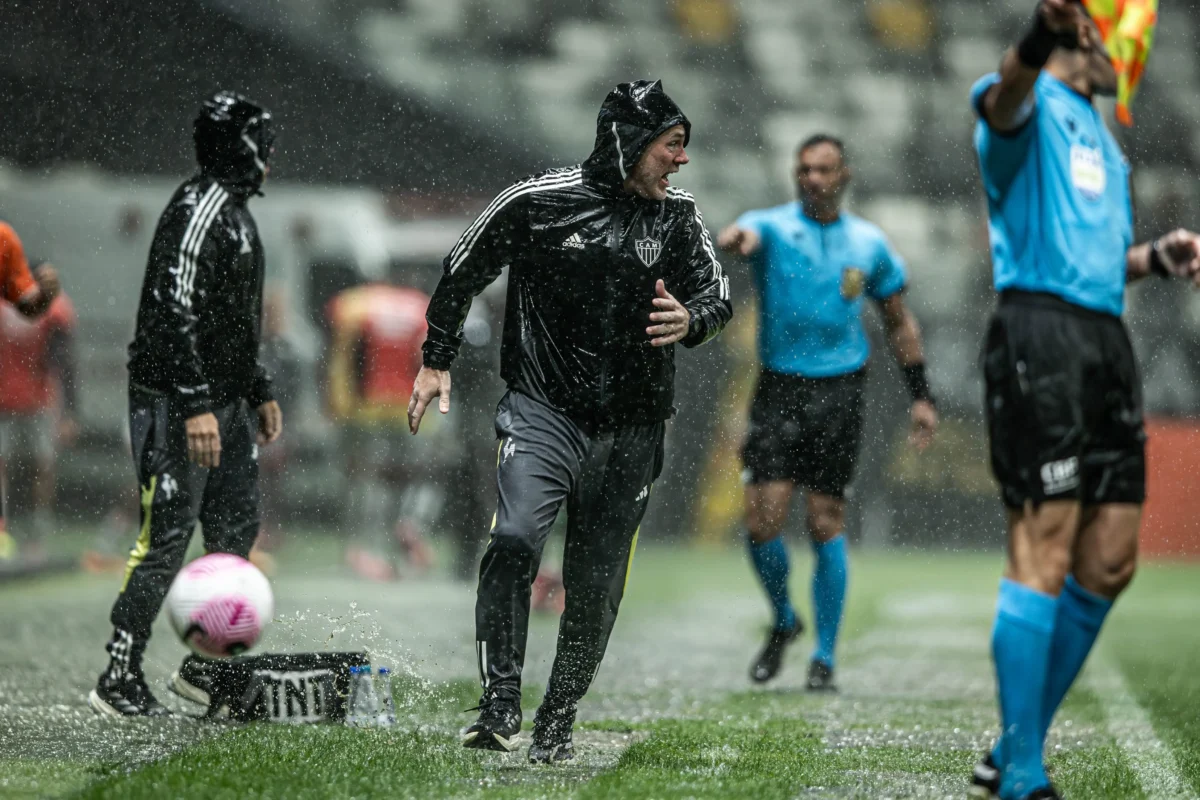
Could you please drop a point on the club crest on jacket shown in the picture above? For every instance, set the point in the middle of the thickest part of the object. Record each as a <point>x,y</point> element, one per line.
<point>648,250</point>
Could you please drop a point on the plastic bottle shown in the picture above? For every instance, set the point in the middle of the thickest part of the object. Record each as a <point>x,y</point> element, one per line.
<point>387,706</point>
<point>364,705</point>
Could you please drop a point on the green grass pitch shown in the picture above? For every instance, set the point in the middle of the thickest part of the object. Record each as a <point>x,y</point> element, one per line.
<point>672,713</point>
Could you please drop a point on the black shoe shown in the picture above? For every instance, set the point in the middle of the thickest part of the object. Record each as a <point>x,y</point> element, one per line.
<point>820,677</point>
<point>125,696</point>
<point>552,735</point>
<point>196,679</point>
<point>985,781</point>
<point>499,724</point>
<point>767,665</point>
<point>1044,793</point>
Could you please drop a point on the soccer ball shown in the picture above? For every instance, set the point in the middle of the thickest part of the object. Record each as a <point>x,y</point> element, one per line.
<point>219,605</point>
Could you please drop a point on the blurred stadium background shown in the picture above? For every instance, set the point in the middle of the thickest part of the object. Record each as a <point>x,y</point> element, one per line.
<point>400,119</point>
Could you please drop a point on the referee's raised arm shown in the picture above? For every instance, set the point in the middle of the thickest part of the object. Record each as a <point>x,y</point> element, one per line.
<point>1008,104</point>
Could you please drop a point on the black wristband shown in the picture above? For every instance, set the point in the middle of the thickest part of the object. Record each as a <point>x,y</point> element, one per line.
<point>1157,265</point>
<point>918,383</point>
<point>1039,42</point>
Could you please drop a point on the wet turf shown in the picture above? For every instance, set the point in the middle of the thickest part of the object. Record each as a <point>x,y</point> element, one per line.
<point>672,714</point>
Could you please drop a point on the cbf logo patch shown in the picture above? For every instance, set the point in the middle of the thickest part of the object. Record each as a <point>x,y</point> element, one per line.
<point>1087,171</point>
<point>1060,476</point>
<point>854,280</point>
<point>648,250</point>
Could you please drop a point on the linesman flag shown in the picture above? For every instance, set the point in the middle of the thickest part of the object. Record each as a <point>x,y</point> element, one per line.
<point>1128,30</point>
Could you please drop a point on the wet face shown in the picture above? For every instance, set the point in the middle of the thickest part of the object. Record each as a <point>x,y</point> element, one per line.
<point>663,157</point>
<point>821,175</point>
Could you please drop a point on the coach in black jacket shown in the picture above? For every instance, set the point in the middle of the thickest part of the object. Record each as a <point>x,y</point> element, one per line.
<point>610,267</point>
<point>198,394</point>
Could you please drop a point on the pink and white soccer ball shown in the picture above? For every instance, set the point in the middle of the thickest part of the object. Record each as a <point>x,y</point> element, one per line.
<point>219,605</point>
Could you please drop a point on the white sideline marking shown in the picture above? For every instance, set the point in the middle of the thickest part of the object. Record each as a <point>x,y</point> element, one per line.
<point>1129,725</point>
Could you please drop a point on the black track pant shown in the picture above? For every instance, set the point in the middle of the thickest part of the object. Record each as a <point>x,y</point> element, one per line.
<point>175,493</point>
<point>604,477</point>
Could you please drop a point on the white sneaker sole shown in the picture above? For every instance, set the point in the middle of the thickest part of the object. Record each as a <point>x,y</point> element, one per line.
<point>187,691</point>
<point>98,704</point>
<point>472,741</point>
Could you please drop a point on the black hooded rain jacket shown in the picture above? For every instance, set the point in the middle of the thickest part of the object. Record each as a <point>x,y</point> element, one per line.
<point>584,258</point>
<point>199,316</point>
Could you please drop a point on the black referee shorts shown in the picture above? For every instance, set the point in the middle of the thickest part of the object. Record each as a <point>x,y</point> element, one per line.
<point>1064,404</point>
<point>805,430</point>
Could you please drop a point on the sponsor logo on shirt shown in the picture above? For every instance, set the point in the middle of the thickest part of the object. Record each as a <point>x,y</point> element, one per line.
<point>574,240</point>
<point>1087,171</point>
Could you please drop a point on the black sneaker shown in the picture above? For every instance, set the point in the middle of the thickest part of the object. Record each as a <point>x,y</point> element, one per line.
<point>1044,793</point>
<point>125,696</point>
<point>499,724</point>
<point>196,679</point>
<point>820,677</point>
<point>552,735</point>
<point>767,665</point>
<point>985,780</point>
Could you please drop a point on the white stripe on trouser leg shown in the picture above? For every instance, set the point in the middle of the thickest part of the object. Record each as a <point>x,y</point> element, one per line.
<point>484,678</point>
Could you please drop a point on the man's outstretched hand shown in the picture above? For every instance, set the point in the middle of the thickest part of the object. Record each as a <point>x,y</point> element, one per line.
<point>430,383</point>
<point>1181,254</point>
<point>738,240</point>
<point>672,317</point>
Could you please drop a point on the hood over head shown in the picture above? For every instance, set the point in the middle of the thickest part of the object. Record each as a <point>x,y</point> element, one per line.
<point>234,141</point>
<point>631,117</point>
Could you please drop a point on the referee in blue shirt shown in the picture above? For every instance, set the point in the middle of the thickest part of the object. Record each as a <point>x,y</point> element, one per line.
<point>814,266</point>
<point>1063,396</point>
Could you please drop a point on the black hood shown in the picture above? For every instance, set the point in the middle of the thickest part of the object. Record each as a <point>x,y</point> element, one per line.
<point>632,116</point>
<point>234,141</point>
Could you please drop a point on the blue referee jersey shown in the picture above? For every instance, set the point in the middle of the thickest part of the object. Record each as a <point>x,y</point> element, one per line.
<point>1060,216</point>
<point>811,279</point>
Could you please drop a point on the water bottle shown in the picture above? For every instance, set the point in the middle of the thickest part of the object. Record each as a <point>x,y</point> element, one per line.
<point>364,705</point>
<point>387,706</point>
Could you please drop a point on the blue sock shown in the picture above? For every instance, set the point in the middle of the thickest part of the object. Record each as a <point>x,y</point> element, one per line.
<point>829,594</point>
<point>771,563</point>
<point>1021,651</point>
<point>1076,627</point>
<point>1080,615</point>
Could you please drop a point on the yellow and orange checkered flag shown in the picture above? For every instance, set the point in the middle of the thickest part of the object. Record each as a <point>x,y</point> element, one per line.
<point>1128,30</point>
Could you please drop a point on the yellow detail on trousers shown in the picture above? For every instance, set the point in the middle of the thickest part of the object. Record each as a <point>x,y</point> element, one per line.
<point>629,563</point>
<point>142,547</point>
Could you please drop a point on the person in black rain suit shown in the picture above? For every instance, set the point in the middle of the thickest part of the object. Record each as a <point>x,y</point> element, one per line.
<point>200,400</point>
<point>609,267</point>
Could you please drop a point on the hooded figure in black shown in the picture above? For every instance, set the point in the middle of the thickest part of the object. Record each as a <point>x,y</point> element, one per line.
<point>610,266</point>
<point>200,401</point>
